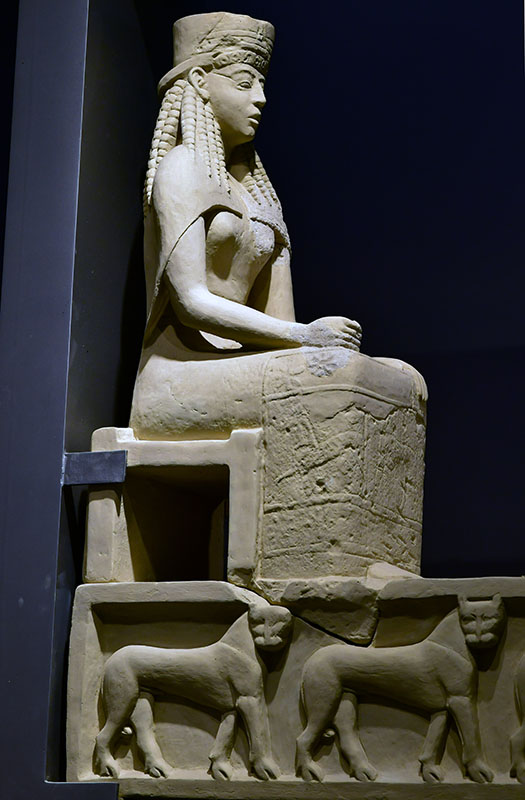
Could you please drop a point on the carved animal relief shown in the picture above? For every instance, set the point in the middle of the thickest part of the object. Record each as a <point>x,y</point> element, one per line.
<point>437,675</point>
<point>225,676</point>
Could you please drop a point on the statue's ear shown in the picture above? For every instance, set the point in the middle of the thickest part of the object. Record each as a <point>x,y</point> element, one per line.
<point>197,78</point>
<point>496,599</point>
<point>461,599</point>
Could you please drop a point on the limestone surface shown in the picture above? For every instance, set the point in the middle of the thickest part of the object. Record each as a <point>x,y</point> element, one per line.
<point>442,648</point>
<point>342,433</point>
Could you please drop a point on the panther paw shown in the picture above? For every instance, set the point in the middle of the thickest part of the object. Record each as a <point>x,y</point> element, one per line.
<point>479,772</point>
<point>309,771</point>
<point>265,769</point>
<point>432,773</point>
<point>365,771</point>
<point>221,769</point>
<point>106,767</point>
<point>157,768</point>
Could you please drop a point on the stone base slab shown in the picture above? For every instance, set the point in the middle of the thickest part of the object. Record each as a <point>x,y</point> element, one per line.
<point>195,614</point>
<point>188,788</point>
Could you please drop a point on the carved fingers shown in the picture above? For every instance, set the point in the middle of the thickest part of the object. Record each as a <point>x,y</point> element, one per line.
<point>332,332</point>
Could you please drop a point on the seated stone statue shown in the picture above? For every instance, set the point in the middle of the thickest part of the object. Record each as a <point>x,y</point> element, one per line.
<point>344,433</point>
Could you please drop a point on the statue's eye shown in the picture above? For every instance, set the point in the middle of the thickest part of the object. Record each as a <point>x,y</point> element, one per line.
<point>468,618</point>
<point>244,85</point>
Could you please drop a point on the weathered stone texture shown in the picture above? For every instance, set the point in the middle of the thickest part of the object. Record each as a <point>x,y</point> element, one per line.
<point>343,471</point>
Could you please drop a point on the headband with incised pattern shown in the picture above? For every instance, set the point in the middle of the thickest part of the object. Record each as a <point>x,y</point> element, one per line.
<point>217,40</point>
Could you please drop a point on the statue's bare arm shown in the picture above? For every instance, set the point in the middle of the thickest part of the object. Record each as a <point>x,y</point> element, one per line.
<point>201,309</point>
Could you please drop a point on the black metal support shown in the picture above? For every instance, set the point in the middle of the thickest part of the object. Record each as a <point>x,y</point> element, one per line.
<point>34,354</point>
<point>94,467</point>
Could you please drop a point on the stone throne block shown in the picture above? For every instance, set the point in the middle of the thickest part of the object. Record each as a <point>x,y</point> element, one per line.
<point>344,467</point>
<point>170,512</point>
<point>331,484</point>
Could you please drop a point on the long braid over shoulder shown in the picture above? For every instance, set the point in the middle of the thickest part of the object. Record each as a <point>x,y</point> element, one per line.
<point>164,136</point>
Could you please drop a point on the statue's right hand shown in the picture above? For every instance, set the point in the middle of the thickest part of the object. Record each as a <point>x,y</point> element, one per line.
<point>332,332</point>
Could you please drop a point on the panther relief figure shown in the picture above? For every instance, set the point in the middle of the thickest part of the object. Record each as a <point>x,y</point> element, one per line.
<point>437,675</point>
<point>226,676</point>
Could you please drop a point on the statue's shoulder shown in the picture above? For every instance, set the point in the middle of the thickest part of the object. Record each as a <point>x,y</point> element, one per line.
<point>182,179</point>
<point>178,170</point>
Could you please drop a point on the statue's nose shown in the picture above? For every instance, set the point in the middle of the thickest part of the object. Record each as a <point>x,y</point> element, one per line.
<point>259,98</point>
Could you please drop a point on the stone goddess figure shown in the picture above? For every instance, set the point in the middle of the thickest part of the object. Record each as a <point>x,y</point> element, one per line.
<point>344,433</point>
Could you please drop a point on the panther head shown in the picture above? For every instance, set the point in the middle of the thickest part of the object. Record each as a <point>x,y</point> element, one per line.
<point>270,626</point>
<point>481,621</point>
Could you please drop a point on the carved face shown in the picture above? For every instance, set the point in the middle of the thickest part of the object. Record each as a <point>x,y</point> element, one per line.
<point>270,626</point>
<point>236,95</point>
<point>481,621</point>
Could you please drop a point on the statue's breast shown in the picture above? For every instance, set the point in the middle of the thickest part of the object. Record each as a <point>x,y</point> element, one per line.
<point>236,250</point>
<point>224,237</point>
<point>263,240</point>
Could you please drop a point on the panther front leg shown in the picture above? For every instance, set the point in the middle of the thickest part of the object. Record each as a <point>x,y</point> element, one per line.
<point>255,716</point>
<point>464,711</point>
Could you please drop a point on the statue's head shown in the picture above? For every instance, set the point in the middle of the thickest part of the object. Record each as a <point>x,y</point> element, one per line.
<point>225,58</point>
<point>212,101</point>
